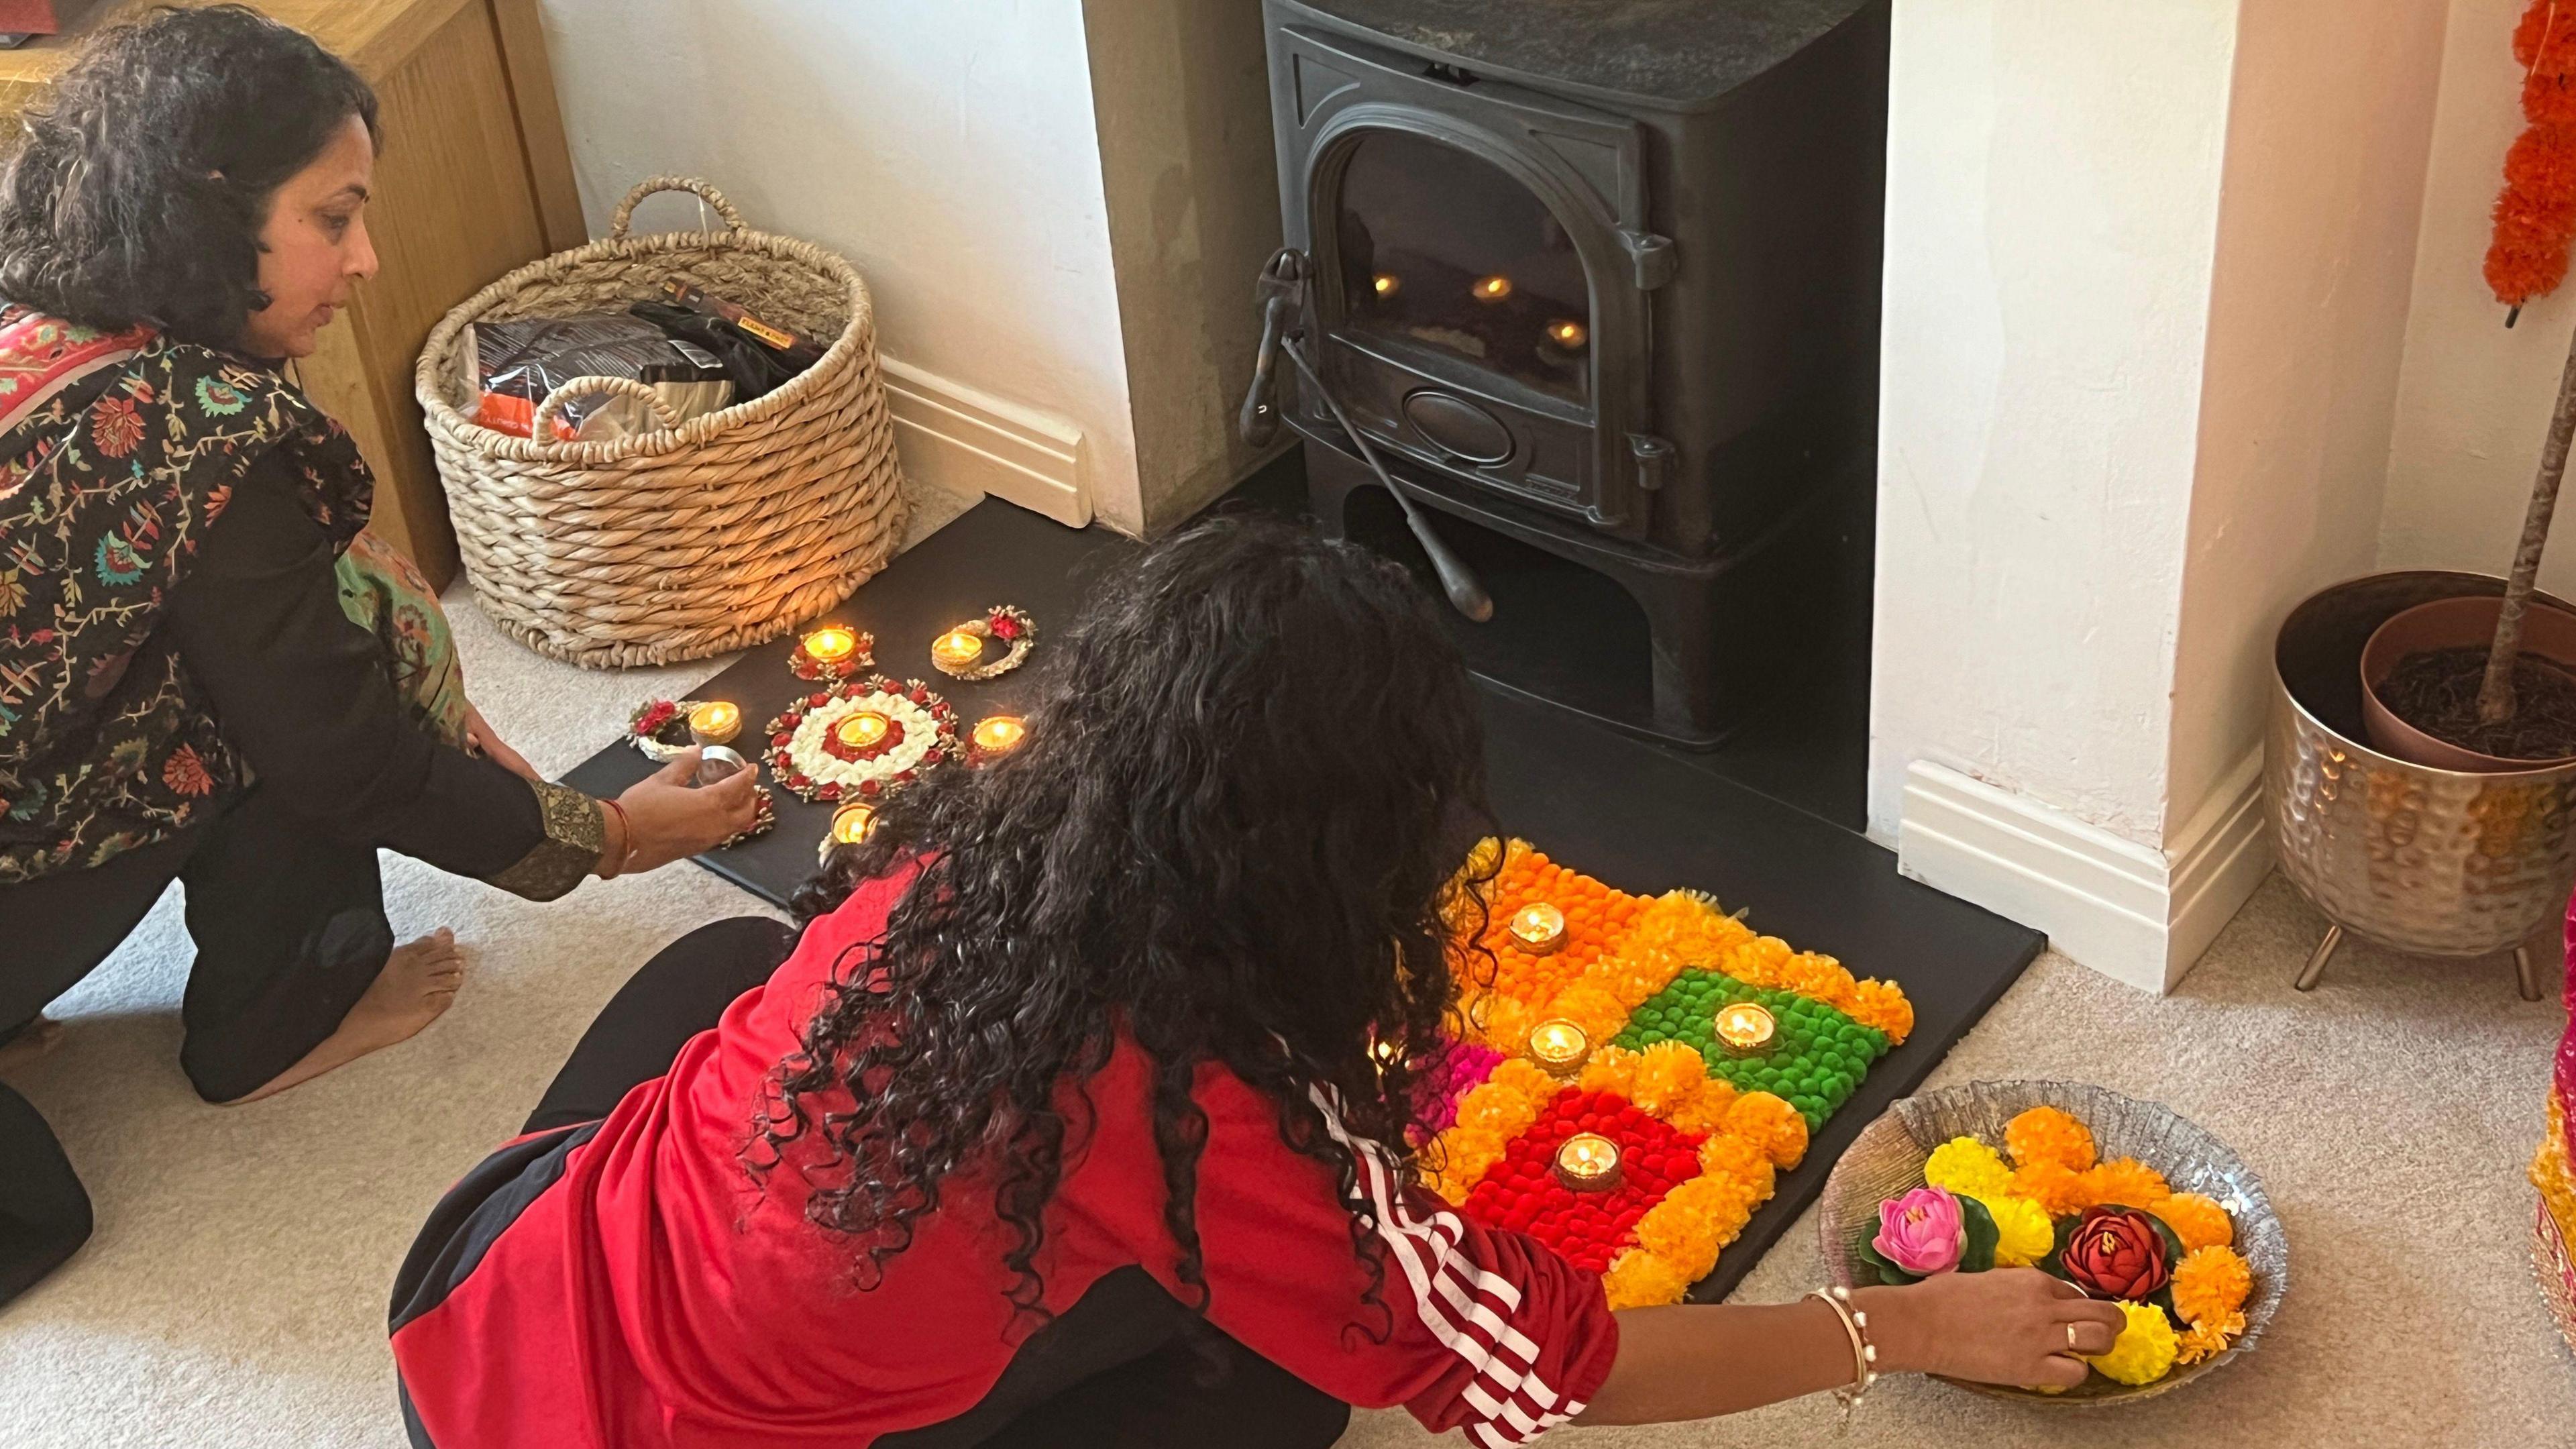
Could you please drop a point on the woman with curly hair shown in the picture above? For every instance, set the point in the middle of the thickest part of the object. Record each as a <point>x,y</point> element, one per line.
<point>208,672</point>
<point>1077,1112</point>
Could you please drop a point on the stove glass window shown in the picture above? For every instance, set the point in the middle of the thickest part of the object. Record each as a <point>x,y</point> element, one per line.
<point>1443,249</point>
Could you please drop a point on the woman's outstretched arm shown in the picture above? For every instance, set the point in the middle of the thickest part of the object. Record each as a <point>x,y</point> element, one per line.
<point>1696,1361</point>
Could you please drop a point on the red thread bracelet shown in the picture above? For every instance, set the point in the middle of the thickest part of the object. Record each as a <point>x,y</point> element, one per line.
<point>625,839</point>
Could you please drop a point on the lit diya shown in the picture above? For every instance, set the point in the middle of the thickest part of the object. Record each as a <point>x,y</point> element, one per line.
<point>1588,1162</point>
<point>863,729</point>
<point>1538,928</point>
<point>1746,1029</point>
<point>850,825</point>
<point>830,653</point>
<point>1559,1047</point>
<point>998,734</point>
<point>715,722</point>
<point>965,652</point>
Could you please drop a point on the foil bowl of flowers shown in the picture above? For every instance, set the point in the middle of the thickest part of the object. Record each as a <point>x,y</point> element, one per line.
<point>2123,1198</point>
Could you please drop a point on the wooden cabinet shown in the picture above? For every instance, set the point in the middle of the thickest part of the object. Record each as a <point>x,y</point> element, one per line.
<point>474,180</point>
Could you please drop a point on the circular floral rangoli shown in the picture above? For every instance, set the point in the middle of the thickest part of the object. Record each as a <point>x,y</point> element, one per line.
<point>860,739</point>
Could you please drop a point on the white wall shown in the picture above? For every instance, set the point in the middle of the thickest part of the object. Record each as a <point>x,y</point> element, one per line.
<point>2474,398</point>
<point>2053,192</point>
<point>946,147</point>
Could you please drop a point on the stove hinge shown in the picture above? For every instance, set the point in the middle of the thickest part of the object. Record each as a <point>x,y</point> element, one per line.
<point>1654,457</point>
<point>1651,256</point>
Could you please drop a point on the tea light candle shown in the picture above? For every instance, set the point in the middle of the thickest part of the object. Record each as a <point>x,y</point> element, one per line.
<point>863,729</point>
<point>1000,733</point>
<point>850,823</point>
<point>956,648</point>
<point>831,645</point>
<point>1538,927</point>
<point>1559,1047</point>
<point>1588,1162</point>
<point>1746,1028</point>
<point>715,723</point>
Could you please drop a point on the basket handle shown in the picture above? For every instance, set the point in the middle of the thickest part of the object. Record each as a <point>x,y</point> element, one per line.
<point>626,209</point>
<point>579,387</point>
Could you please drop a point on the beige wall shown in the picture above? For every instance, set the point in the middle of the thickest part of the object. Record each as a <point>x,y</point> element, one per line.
<point>2474,398</point>
<point>2318,209</point>
<point>1183,101</point>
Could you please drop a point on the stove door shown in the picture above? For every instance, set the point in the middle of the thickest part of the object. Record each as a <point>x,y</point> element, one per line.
<point>1482,266</point>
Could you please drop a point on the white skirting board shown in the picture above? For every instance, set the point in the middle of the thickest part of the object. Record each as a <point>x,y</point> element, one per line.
<point>2134,913</point>
<point>973,444</point>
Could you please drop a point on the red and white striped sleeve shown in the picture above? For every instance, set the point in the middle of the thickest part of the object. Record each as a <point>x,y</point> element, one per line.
<point>1480,1329</point>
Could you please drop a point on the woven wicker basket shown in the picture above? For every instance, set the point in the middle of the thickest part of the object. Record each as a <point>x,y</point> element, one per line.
<point>685,541</point>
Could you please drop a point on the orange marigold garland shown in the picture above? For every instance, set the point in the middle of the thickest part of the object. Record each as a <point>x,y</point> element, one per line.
<point>2535,215</point>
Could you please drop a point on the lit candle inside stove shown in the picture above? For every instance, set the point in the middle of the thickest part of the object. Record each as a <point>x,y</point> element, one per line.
<point>956,647</point>
<point>863,729</point>
<point>1588,1162</point>
<point>831,645</point>
<point>1000,733</point>
<point>1746,1028</point>
<point>715,723</point>
<point>1539,928</point>
<point>1559,1046</point>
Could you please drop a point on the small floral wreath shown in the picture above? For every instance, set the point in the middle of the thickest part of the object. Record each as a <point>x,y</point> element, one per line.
<point>808,756</point>
<point>862,658</point>
<point>1005,622</point>
<point>659,728</point>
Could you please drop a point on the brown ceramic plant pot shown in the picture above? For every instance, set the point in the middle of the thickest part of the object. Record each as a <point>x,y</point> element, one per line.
<point>2548,632</point>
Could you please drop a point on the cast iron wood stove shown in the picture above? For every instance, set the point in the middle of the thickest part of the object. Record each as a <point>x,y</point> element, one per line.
<point>1600,276</point>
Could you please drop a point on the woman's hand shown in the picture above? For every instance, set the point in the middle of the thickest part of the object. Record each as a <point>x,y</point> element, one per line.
<point>482,739</point>
<point>670,819</point>
<point>2010,1326</point>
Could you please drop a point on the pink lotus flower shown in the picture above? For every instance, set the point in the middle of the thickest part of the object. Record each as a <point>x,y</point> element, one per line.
<point>1921,1232</point>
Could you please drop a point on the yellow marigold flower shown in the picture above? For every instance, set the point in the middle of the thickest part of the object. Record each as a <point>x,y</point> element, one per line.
<point>2203,1340</point>
<point>2145,1350</point>
<point>1608,1069</point>
<point>1639,1279</point>
<point>1772,1123</point>
<point>2199,1221</point>
<point>2211,1283</point>
<point>2058,1192</point>
<point>1818,978</point>
<point>1758,962</point>
<point>1882,1004</point>
<point>1590,1006</point>
<point>2046,1134</point>
<point>1966,1165</point>
<point>2023,1233</point>
<point>1730,1155</point>
<point>1667,1073</point>
<point>2125,1182</point>
<point>1705,1109</point>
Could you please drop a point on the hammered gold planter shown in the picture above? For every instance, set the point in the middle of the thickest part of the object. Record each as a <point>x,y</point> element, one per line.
<point>2427,861</point>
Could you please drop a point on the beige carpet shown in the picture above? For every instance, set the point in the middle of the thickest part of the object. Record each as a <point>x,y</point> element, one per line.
<point>235,1293</point>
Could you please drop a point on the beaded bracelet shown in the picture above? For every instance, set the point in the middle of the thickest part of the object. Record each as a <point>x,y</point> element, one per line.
<point>1864,1353</point>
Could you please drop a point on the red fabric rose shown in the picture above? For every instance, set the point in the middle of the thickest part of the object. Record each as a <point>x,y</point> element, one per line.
<point>2117,1253</point>
<point>1004,627</point>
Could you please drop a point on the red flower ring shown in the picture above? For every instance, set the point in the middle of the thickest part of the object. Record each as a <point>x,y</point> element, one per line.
<point>1522,1192</point>
<point>782,736</point>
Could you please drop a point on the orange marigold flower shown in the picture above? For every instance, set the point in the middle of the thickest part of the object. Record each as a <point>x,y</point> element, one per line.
<point>2210,1284</point>
<point>2198,1220</point>
<point>1882,1005</point>
<point>2125,1182</point>
<point>1610,1069</point>
<point>2046,1134</point>
<point>1771,1123</point>
<point>1728,1155</point>
<point>2051,1185</point>
<point>1705,1109</point>
<point>2206,1340</point>
<point>1640,1279</point>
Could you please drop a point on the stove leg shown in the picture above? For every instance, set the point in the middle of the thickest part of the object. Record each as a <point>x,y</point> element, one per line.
<point>2526,972</point>
<point>2317,959</point>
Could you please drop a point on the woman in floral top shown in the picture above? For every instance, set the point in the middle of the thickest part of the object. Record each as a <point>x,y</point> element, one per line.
<point>208,672</point>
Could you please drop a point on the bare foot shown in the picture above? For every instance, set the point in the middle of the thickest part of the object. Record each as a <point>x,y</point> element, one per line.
<point>418,982</point>
<point>38,1039</point>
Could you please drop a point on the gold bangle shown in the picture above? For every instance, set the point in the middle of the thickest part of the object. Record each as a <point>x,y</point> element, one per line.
<point>1864,1353</point>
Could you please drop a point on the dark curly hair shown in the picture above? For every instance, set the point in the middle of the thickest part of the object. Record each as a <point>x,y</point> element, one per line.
<point>138,188</point>
<point>1230,835</point>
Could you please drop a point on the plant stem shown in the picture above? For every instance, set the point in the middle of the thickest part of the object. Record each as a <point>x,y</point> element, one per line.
<point>2495,695</point>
